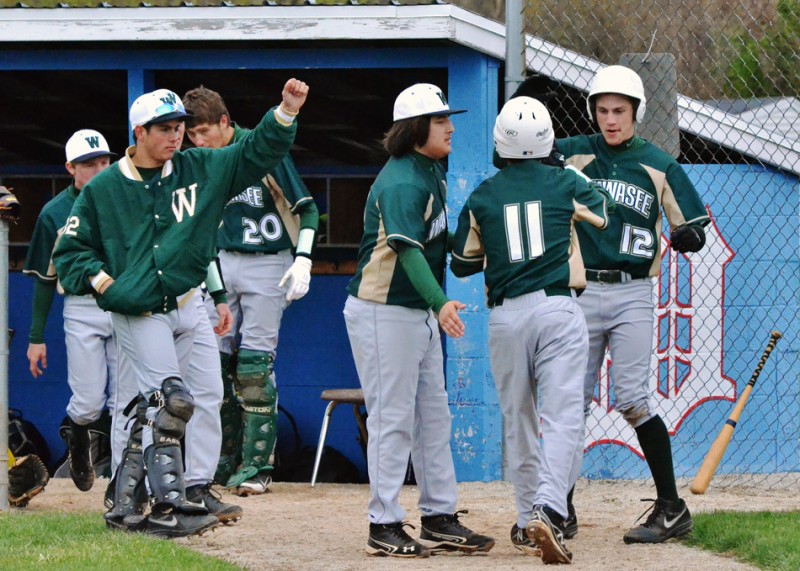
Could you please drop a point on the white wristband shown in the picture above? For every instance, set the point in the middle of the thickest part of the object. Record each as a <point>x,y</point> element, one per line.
<point>305,241</point>
<point>284,116</point>
<point>99,279</point>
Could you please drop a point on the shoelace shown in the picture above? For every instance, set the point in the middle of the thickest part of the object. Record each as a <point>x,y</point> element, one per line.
<point>654,509</point>
<point>397,530</point>
<point>522,537</point>
<point>454,520</point>
<point>207,490</point>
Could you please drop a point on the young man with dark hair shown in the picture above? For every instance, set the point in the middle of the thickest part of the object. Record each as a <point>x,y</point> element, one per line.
<point>393,314</point>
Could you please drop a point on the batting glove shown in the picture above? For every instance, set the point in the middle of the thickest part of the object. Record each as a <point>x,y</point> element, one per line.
<point>298,277</point>
<point>688,238</point>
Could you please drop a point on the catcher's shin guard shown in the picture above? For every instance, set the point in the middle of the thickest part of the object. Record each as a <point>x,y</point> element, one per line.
<point>172,515</point>
<point>164,468</point>
<point>231,416</point>
<point>80,456</point>
<point>163,460</point>
<point>130,493</point>
<point>256,383</point>
<point>174,407</point>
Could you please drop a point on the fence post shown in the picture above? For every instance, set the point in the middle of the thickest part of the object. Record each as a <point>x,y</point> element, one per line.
<point>515,47</point>
<point>4,362</point>
<point>659,74</point>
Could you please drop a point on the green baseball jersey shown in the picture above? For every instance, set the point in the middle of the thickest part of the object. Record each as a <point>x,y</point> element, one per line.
<point>156,237</point>
<point>642,179</point>
<point>264,217</point>
<point>517,227</point>
<point>52,218</point>
<point>406,204</point>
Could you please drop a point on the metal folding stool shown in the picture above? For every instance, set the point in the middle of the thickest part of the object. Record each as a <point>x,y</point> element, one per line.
<point>336,397</point>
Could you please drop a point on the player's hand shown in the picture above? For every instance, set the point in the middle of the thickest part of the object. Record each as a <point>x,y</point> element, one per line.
<point>688,238</point>
<point>449,320</point>
<point>298,278</point>
<point>225,319</point>
<point>294,95</point>
<point>37,353</point>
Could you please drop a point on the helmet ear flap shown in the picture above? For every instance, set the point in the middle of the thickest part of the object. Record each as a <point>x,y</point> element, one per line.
<point>640,111</point>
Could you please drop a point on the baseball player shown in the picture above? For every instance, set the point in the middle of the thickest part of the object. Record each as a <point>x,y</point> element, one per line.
<point>621,265</point>
<point>92,362</point>
<point>141,237</point>
<point>203,432</point>
<point>516,228</point>
<point>393,314</point>
<point>260,228</point>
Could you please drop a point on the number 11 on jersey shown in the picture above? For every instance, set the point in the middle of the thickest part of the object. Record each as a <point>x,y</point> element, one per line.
<point>533,231</point>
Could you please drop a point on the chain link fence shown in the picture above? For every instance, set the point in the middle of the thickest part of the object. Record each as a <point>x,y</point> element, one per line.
<point>721,80</point>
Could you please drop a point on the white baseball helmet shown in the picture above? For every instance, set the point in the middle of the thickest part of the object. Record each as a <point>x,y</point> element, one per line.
<point>422,100</point>
<point>618,79</point>
<point>523,129</point>
<point>86,144</point>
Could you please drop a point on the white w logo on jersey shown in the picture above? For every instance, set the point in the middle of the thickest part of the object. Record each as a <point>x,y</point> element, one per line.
<point>182,202</point>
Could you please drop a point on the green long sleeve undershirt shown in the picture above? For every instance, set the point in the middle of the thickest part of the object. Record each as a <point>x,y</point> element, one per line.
<point>43,294</point>
<point>421,277</point>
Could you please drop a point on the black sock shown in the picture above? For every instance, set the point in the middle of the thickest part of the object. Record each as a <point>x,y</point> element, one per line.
<point>570,494</point>
<point>654,439</point>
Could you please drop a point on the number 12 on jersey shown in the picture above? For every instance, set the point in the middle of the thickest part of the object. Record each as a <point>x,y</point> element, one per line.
<point>532,229</point>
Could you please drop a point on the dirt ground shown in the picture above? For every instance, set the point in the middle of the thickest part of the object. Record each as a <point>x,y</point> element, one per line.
<point>296,527</point>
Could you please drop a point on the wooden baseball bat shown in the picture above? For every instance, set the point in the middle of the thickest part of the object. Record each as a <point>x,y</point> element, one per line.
<point>717,450</point>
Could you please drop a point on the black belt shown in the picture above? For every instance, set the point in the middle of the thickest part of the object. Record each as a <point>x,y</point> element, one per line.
<point>609,276</point>
<point>549,291</point>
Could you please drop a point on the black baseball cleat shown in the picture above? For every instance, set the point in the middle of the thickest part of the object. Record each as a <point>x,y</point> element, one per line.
<point>210,499</point>
<point>546,530</point>
<point>80,456</point>
<point>443,533</point>
<point>521,541</point>
<point>390,539</point>
<point>571,523</point>
<point>667,520</point>
<point>131,522</point>
<point>174,524</point>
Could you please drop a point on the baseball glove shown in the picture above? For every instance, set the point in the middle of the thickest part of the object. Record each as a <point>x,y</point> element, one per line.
<point>9,205</point>
<point>688,238</point>
<point>26,478</point>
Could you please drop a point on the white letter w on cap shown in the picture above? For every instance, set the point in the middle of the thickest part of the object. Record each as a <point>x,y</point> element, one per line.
<point>182,202</point>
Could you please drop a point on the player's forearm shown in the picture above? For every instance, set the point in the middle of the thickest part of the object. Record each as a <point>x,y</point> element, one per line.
<point>43,294</point>
<point>309,223</point>
<point>76,268</point>
<point>463,268</point>
<point>420,275</point>
<point>215,284</point>
<point>263,148</point>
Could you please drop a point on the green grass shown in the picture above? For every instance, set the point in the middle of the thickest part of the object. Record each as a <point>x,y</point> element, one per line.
<point>31,542</point>
<point>767,540</point>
